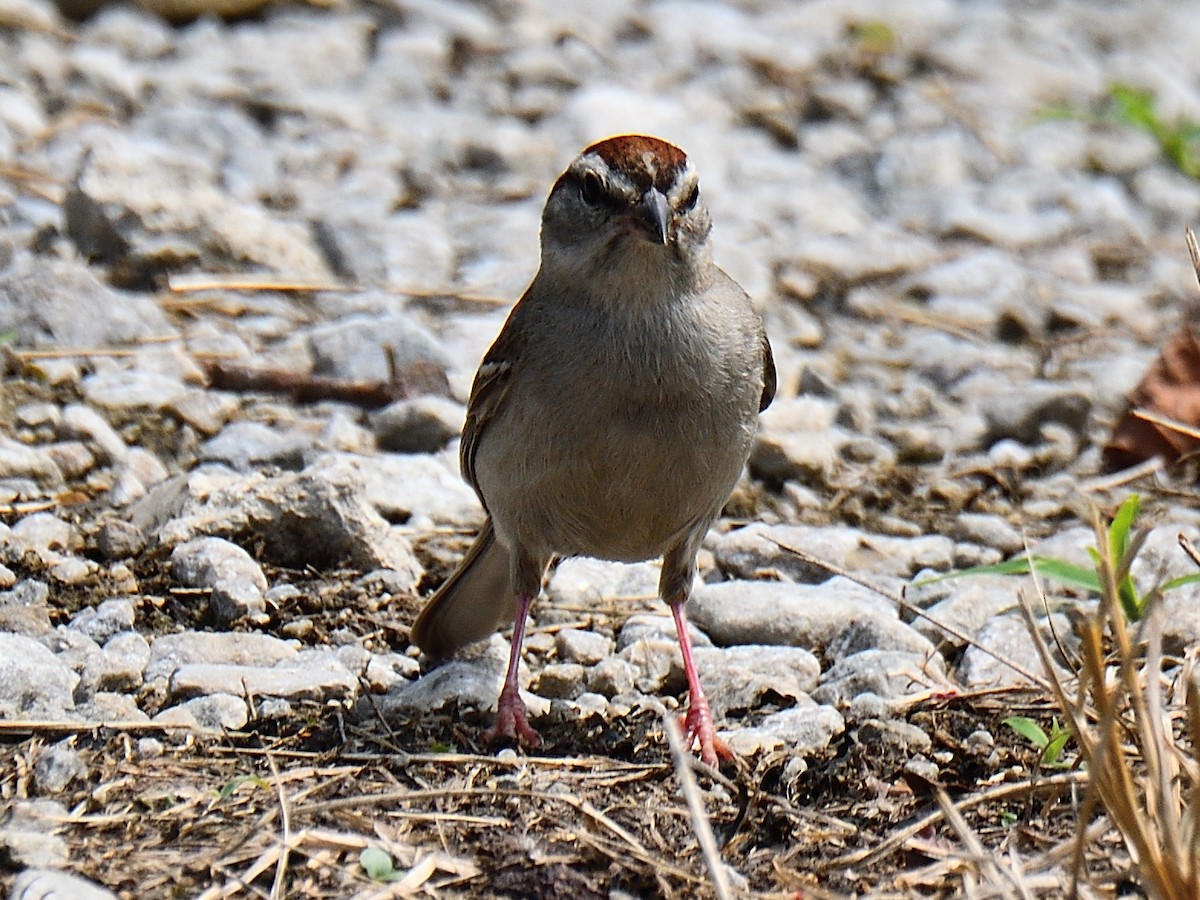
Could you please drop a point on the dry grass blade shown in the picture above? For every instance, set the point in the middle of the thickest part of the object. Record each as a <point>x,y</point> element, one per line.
<point>695,803</point>
<point>1141,774</point>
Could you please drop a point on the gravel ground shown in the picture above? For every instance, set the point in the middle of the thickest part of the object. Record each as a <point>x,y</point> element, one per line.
<point>207,573</point>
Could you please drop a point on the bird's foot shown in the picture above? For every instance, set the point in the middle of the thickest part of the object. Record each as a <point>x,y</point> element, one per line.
<point>512,725</point>
<point>698,730</point>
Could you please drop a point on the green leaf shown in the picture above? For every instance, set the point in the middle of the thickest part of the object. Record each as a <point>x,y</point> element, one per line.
<point>1056,569</point>
<point>1052,755</point>
<point>1179,582</point>
<point>7,337</point>
<point>1028,729</point>
<point>234,783</point>
<point>377,863</point>
<point>1122,525</point>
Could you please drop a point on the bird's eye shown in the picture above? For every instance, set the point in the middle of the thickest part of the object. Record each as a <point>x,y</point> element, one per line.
<point>690,200</point>
<point>591,191</point>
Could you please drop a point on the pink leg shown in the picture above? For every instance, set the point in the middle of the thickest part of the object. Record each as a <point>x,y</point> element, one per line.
<point>698,724</point>
<point>511,723</point>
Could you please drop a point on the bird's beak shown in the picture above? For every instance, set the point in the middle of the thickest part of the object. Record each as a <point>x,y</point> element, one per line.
<point>654,215</point>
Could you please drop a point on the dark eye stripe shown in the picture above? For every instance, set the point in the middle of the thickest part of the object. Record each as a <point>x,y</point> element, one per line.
<point>591,190</point>
<point>690,200</point>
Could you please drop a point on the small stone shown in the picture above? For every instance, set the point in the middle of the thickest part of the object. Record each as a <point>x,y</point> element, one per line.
<point>989,530</point>
<point>887,673</point>
<point>584,647</point>
<point>237,582</point>
<point>125,658</point>
<point>246,446</point>
<point>72,570</point>
<point>56,884</point>
<point>73,458</point>
<point>85,423</point>
<point>119,539</point>
<point>610,677</point>
<point>149,748</point>
<point>218,712</point>
<point>206,411</point>
<point>57,766</point>
<point>738,679</point>
<point>101,622</point>
<point>275,708</point>
<point>42,533</point>
<point>34,683</point>
<point>892,733</point>
<point>19,461</point>
<point>560,681</point>
<point>422,424</point>
<point>132,389</point>
<point>170,651</point>
<point>805,729</point>
<point>318,679</point>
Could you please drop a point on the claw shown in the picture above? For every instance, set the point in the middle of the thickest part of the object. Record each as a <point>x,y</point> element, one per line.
<point>512,724</point>
<point>698,729</point>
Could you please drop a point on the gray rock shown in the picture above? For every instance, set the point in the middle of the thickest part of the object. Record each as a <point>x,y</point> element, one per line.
<point>106,706</point>
<point>60,301</point>
<point>611,677</point>
<point>235,579</point>
<point>81,654</point>
<point>584,647</point>
<point>101,622</point>
<point>71,570</point>
<point>967,608</point>
<point>20,461</point>
<point>55,884</point>
<point>797,439</point>
<point>560,681</point>
<point>469,682</point>
<point>1020,415</point>
<point>738,679</point>
<point>1008,636</point>
<point>319,517</point>
<point>34,683</point>
<point>580,580</point>
<point>83,422</point>
<point>645,626</point>
<point>125,390</point>
<point>751,550</point>
<point>656,662</point>
<point>73,458</point>
<point>139,472</point>
<point>418,489</point>
<point>320,680</point>
<point>125,658</point>
<point>57,766</point>
<point>246,446</point>
<point>805,729</point>
<point>43,534</point>
<point>816,617</point>
<point>353,347</point>
<point>206,411</point>
<point>24,609</point>
<point>118,539</point>
<point>886,673</point>
<point>215,712</point>
<point>170,651</point>
<point>988,530</point>
<point>28,835</point>
<point>880,734</point>
<point>422,424</point>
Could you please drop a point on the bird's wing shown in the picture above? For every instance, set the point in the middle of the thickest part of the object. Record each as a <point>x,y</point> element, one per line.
<point>488,394</point>
<point>769,377</point>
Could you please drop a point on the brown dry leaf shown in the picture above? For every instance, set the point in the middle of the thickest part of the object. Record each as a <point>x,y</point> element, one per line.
<point>1170,388</point>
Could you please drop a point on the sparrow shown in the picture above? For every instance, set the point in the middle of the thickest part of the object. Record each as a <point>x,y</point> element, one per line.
<point>614,413</point>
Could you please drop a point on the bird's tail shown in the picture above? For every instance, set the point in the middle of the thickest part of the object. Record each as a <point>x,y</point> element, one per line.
<point>474,601</point>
